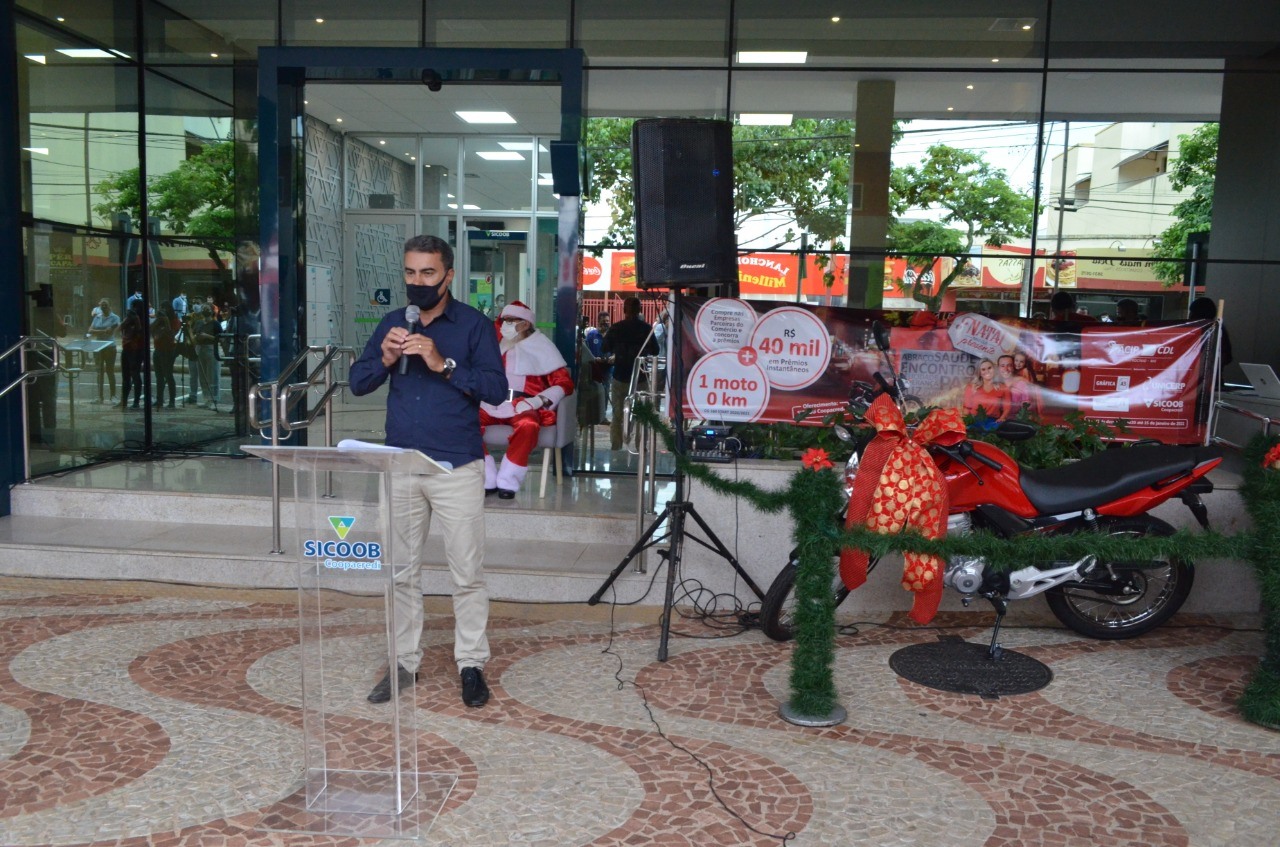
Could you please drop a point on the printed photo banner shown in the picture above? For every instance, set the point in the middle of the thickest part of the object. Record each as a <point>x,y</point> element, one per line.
<point>769,362</point>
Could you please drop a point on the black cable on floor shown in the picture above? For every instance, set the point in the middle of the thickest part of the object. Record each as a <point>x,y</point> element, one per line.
<point>644,701</point>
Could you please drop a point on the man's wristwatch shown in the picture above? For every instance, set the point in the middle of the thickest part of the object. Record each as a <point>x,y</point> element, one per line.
<point>447,370</point>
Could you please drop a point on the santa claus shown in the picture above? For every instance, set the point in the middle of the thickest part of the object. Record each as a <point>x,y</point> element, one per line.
<point>537,379</point>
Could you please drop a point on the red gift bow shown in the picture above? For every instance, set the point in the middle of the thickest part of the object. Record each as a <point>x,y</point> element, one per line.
<point>897,487</point>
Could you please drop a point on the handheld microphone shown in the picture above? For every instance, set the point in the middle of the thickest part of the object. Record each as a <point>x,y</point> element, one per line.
<point>411,315</point>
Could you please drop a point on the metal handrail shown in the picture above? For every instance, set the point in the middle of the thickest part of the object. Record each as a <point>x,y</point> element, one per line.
<point>27,344</point>
<point>280,397</point>
<point>1244,413</point>
<point>646,441</point>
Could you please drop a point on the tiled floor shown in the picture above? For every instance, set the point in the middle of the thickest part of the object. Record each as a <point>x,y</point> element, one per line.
<point>138,715</point>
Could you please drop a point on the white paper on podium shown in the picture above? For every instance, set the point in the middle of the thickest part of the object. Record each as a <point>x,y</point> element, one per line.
<point>356,445</point>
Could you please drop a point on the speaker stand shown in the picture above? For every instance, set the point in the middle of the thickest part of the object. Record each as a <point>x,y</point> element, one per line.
<point>678,508</point>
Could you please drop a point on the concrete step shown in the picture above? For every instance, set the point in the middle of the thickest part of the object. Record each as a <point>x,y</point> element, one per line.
<point>222,539</point>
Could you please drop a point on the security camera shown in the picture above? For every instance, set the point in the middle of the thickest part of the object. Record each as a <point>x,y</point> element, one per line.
<point>431,79</point>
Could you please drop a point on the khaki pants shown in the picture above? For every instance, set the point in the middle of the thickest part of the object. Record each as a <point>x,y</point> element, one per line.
<point>456,502</point>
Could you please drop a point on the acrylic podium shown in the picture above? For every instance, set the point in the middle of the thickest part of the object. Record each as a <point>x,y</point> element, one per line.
<point>362,774</point>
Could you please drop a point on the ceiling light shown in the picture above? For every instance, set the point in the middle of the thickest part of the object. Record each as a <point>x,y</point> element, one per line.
<point>339,120</point>
<point>453,205</point>
<point>970,87</point>
<point>772,57</point>
<point>213,55</point>
<point>835,19</point>
<point>450,196</point>
<point>383,141</point>
<point>995,60</point>
<point>61,20</point>
<point>1026,27</point>
<point>545,179</point>
<point>500,155</point>
<point>85,53</point>
<point>764,119</point>
<point>414,159</point>
<point>38,58</point>
<point>43,151</point>
<point>306,102</point>
<point>319,20</point>
<point>516,145</point>
<point>469,206</point>
<point>951,108</point>
<point>486,117</point>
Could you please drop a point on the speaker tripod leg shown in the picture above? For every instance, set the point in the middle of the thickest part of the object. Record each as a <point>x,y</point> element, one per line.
<point>718,546</point>
<point>677,511</point>
<point>642,544</point>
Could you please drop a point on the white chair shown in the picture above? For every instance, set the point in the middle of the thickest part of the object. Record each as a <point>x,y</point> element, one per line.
<point>551,439</point>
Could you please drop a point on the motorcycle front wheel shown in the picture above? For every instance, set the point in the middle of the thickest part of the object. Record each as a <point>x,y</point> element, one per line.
<point>777,610</point>
<point>1125,599</point>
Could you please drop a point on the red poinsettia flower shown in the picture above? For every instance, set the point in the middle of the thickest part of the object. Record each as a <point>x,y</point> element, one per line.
<point>816,459</point>
<point>1272,459</point>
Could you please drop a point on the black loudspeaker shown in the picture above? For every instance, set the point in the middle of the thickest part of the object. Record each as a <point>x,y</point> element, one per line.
<point>682,170</point>
<point>564,169</point>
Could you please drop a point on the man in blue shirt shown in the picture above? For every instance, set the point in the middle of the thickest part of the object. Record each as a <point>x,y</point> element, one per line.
<point>433,405</point>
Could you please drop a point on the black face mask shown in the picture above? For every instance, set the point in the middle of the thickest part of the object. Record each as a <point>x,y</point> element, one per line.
<point>425,297</point>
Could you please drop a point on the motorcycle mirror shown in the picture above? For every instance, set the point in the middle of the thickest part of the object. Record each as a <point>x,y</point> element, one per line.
<point>1016,430</point>
<point>881,334</point>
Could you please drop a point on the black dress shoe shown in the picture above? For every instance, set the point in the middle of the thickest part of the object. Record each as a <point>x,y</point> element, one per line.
<point>381,692</point>
<point>489,491</point>
<point>506,494</point>
<point>474,691</point>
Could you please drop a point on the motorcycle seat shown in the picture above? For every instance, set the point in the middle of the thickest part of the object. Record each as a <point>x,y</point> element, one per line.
<point>1110,475</point>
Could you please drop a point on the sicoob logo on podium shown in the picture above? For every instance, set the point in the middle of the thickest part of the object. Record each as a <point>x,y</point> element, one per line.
<point>343,555</point>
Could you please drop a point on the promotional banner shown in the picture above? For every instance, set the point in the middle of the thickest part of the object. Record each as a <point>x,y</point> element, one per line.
<point>766,362</point>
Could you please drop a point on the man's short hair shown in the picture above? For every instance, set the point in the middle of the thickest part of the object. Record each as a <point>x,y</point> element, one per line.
<point>631,306</point>
<point>431,244</point>
<point>1062,301</point>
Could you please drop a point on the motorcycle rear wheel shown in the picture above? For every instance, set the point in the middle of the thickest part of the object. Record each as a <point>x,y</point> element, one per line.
<point>1144,595</point>
<point>777,610</point>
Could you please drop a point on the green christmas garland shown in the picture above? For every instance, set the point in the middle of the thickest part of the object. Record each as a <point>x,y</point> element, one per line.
<point>814,498</point>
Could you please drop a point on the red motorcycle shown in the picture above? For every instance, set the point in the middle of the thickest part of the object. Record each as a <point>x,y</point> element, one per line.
<point>1109,493</point>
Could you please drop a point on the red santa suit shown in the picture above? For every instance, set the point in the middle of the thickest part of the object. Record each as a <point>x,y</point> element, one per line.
<point>538,378</point>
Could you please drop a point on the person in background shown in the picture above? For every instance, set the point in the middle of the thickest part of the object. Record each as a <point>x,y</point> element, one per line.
<point>206,334</point>
<point>179,305</point>
<point>1062,307</point>
<point>626,341</point>
<point>42,393</point>
<point>103,328</point>
<point>164,351</point>
<point>1127,311</point>
<point>1204,309</point>
<point>133,351</point>
<point>537,380</point>
<point>453,364</point>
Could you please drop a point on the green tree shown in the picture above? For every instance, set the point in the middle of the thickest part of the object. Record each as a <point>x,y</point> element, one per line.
<point>195,199</point>
<point>1195,168</point>
<point>798,172</point>
<point>973,200</point>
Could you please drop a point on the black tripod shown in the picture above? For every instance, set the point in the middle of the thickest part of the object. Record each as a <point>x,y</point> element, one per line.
<point>678,508</point>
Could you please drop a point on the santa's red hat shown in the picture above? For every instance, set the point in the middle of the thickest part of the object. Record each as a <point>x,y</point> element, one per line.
<point>516,309</point>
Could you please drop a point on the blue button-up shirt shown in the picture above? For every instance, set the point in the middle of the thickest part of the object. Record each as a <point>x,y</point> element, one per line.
<point>424,410</point>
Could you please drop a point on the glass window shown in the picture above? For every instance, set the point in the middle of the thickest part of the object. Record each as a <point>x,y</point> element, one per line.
<point>498,173</point>
<point>110,25</point>
<point>190,163</point>
<point>545,184</point>
<point>657,32</point>
<point>439,158</point>
<point>500,23</point>
<point>921,32</point>
<point>389,23</point>
<point>191,30</point>
<point>79,132</point>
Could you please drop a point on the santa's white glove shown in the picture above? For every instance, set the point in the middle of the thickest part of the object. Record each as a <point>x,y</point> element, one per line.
<point>527,404</point>
<point>503,410</point>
